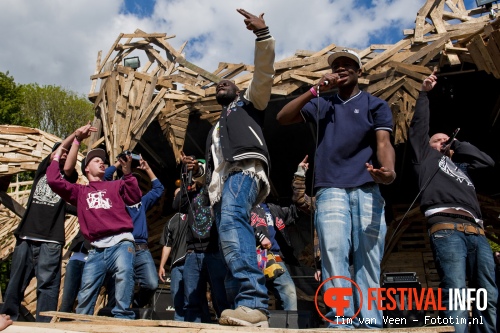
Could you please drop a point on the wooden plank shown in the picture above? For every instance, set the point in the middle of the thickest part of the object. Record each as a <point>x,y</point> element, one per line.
<point>415,68</point>
<point>145,35</point>
<point>419,28</point>
<point>206,74</point>
<point>425,9</point>
<point>303,79</point>
<point>297,63</point>
<point>195,90</point>
<point>494,48</point>
<point>94,82</point>
<point>436,15</point>
<point>393,88</point>
<point>490,65</point>
<point>163,43</point>
<point>386,54</point>
<point>105,60</point>
<point>432,48</point>
<point>324,50</point>
<point>410,73</point>
<point>12,204</point>
<point>150,108</point>
<point>231,71</point>
<point>477,57</point>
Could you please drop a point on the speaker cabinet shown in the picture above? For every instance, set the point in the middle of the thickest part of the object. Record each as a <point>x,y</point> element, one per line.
<point>414,317</point>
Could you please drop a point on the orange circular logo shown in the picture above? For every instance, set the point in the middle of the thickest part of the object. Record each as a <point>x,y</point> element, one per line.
<point>335,298</point>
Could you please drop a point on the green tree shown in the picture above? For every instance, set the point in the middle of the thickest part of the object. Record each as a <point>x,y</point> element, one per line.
<point>54,110</point>
<point>10,100</point>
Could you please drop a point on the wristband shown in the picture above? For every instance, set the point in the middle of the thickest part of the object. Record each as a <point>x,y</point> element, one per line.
<point>76,142</point>
<point>313,91</point>
<point>56,157</point>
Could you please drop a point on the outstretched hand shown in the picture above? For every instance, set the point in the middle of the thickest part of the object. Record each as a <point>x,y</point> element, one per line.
<point>85,131</point>
<point>251,21</point>
<point>429,82</point>
<point>381,176</point>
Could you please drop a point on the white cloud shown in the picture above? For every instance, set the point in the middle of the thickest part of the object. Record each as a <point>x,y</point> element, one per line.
<point>56,41</point>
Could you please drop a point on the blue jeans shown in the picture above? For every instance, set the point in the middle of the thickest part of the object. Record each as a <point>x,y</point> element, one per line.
<point>237,239</point>
<point>459,256</point>
<point>34,259</point>
<point>144,275</point>
<point>199,269</point>
<point>350,224</point>
<point>118,262</point>
<point>177,291</point>
<point>283,288</point>
<point>72,281</point>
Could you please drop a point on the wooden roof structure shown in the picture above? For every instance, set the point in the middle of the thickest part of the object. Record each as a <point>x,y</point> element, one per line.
<point>169,89</point>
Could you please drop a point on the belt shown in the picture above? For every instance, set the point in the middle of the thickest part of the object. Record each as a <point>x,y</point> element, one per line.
<point>455,216</point>
<point>196,251</point>
<point>142,246</point>
<point>464,227</point>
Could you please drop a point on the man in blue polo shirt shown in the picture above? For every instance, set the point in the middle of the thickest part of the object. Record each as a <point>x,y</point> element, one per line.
<point>353,128</point>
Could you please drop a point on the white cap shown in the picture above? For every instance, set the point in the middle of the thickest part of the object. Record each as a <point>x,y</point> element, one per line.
<point>345,53</point>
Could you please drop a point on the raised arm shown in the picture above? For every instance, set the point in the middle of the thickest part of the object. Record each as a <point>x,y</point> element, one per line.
<point>290,113</point>
<point>259,90</point>
<point>129,189</point>
<point>418,134</point>
<point>66,190</point>
<point>150,198</point>
<point>470,154</point>
<point>74,141</point>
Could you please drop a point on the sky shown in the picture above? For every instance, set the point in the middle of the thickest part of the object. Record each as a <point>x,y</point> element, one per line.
<point>55,42</point>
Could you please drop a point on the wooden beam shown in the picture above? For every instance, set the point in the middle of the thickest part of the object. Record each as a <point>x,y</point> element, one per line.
<point>386,54</point>
<point>206,74</point>
<point>12,204</point>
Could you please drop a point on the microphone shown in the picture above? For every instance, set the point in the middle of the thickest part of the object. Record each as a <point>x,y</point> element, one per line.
<point>453,136</point>
<point>447,145</point>
<point>190,176</point>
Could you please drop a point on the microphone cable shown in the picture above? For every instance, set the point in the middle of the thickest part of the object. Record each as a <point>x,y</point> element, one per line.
<point>447,149</point>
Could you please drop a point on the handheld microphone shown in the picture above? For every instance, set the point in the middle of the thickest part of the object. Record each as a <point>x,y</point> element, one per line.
<point>190,177</point>
<point>453,136</point>
<point>447,145</point>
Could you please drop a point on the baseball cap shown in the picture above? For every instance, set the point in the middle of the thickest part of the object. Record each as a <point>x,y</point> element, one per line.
<point>56,145</point>
<point>345,53</point>
<point>98,152</point>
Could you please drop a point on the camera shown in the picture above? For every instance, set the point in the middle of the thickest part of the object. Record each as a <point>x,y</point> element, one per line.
<point>129,153</point>
<point>135,157</point>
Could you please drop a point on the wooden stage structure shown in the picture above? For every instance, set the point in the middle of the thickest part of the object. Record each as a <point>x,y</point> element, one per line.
<point>112,325</point>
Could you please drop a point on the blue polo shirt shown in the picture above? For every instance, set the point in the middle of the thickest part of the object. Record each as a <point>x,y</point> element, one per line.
<point>346,137</point>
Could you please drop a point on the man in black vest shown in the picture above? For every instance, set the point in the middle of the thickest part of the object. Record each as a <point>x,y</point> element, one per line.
<point>237,176</point>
